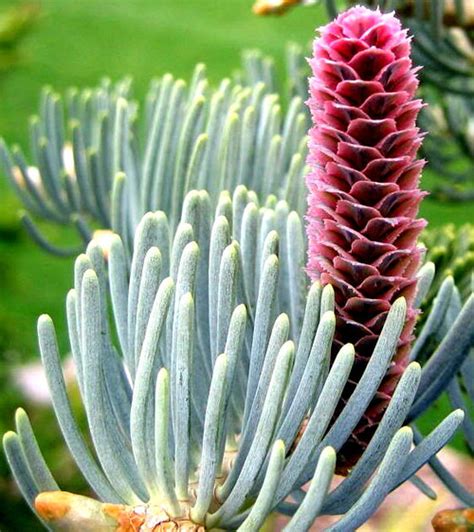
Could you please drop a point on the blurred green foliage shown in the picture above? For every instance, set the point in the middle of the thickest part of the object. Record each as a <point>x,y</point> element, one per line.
<point>75,43</point>
<point>451,249</point>
<point>15,23</point>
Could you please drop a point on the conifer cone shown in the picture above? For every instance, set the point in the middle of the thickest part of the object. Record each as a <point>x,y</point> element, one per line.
<point>363,190</point>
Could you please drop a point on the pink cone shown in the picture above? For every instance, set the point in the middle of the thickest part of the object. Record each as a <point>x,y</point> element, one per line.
<point>363,189</point>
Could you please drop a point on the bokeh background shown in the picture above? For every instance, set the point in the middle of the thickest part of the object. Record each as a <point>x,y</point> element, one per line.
<point>66,43</point>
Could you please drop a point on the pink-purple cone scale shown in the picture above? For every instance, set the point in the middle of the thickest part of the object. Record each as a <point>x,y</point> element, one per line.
<point>363,190</point>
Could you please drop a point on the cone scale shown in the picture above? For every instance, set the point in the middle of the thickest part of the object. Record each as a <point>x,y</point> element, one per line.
<point>363,190</point>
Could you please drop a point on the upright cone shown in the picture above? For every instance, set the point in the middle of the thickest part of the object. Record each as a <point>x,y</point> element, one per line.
<point>363,189</point>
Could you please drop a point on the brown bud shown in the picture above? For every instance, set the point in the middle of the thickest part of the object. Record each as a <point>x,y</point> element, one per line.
<point>76,513</point>
<point>274,7</point>
<point>454,520</point>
